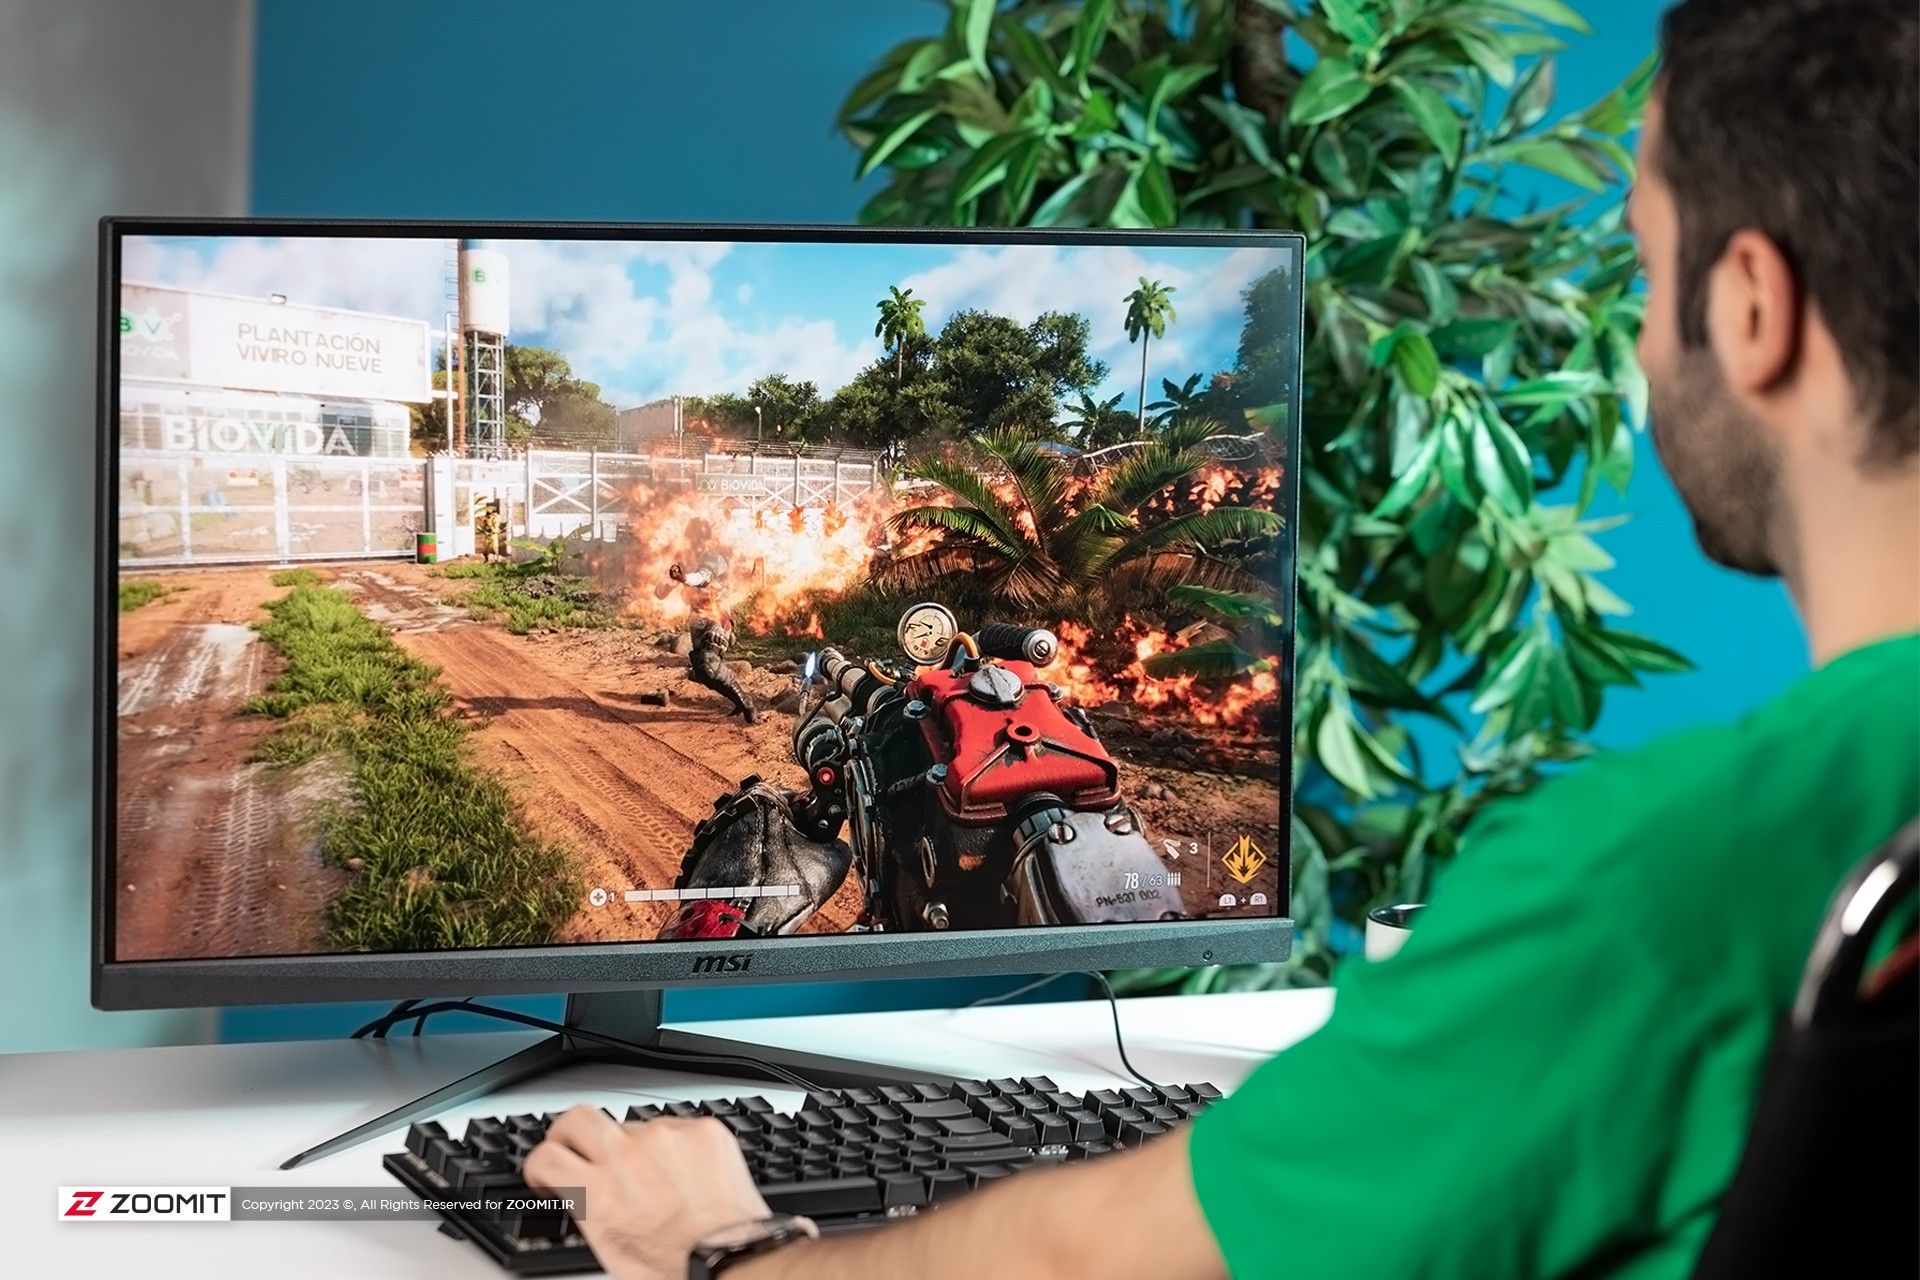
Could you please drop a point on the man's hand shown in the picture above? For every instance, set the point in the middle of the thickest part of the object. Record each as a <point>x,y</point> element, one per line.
<point>653,1190</point>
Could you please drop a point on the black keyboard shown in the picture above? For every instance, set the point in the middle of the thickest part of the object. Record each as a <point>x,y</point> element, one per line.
<point>847,1158</point>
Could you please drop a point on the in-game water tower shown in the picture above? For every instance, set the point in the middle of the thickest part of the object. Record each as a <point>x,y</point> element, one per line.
<point>483,333</point>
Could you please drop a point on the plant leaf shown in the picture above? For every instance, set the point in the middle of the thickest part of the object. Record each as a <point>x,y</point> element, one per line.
<point>1432,113</point>
<point>977,22</point>
<point>890,141</point>
<point>1330,89</point>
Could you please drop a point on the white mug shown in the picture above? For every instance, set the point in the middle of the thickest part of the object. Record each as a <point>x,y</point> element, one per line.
<point>1389,927</point>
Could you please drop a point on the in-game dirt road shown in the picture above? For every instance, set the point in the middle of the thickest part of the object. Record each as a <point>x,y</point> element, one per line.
<point>216,853</point>
<point>620,783</point>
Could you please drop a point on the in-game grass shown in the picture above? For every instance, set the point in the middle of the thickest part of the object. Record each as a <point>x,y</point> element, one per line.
<point>141,591</point>
<point>532,595</point>
<point>445,861</point>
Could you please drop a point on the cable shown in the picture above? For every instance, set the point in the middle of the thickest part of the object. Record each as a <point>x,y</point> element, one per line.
<point>1001,997</point>
<point>1113,1007</point>
<point>377,1028</point>
<point>1119,1041</point>
<point>653,1054</point>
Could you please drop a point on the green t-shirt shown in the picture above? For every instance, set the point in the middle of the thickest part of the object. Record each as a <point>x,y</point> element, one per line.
<point>1556,1072</point>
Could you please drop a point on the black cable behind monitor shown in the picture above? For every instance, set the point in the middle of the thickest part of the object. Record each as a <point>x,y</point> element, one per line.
<point>653,1054</point>
<point>419,1012</point>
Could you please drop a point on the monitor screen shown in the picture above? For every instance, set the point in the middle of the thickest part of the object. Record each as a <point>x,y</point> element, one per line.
<point>590,587</point>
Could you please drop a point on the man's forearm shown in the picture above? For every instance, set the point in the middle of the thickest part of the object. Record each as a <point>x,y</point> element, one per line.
<point>1114,1218</point>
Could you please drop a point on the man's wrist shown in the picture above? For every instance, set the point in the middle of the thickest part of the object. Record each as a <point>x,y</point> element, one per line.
<point>721,1251</point>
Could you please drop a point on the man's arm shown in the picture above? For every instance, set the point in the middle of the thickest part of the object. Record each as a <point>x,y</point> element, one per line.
<point>653,1190</point>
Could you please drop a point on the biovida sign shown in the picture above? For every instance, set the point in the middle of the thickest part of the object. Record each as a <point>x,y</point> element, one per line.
<point>214,340</point>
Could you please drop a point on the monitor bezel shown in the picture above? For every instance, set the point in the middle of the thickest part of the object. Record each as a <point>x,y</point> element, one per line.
<point>339,976</point>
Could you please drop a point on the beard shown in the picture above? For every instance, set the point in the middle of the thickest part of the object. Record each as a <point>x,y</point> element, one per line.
<point>1720,462</point>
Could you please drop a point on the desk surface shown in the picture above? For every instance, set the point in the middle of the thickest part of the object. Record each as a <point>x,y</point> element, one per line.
<point>226,1115</point>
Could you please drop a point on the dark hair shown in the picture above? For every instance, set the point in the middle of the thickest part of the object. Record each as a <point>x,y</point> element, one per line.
<point>1801,119</point>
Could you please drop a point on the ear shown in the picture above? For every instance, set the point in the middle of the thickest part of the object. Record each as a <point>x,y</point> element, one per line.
<point>1754,311</point>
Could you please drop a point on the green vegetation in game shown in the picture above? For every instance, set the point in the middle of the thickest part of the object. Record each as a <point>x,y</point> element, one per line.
<point>533,595</point>
<point>141,592</point>
<point>438,856</point>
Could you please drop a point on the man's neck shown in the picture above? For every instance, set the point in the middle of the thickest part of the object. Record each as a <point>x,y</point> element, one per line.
<point>1855,571</point>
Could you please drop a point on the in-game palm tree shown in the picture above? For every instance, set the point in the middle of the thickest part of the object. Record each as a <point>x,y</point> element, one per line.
<point>1037,544</point>
<point>900,323</point>
<point>1092,421</point>
<point>1149,312</point>
<point>1176,402</point>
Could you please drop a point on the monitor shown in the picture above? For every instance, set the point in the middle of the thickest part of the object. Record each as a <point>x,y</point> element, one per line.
<point>583,608</point>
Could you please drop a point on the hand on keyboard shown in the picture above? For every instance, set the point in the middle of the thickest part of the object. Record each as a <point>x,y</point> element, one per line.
<point>653,1190</point>
<point>847,1158</point>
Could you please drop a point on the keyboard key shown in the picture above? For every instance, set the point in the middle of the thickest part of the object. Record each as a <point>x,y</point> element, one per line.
<point>1019,1132</point>
<point>533,1224</point>
<point>524,1122</point>
<point>441,1150</point>
<point>974,1089</point>
<point>637,1115</point>
<point>755,1104</point>
<point>1040,1084</point>
<point>825,1196</point>
<point>980,1175</point>
<point>1054,1129</point>
<point>944,1184</point>
<point>932,1092</point>
<point>989,1155</point>
<point>1205,1092</point>
<point>972,1142</point>
<point>968,1125</point>
<point>901,1189</point>
<point>898,1093</point>
<point>1086,1125</point>
<point>685,1110</point>
<point>419,1135</point>
<point>1098,1100</point>
<point>1006,1085</point>
<point>936,1110</point>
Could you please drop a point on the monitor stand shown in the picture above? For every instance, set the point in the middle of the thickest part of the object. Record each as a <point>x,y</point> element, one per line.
<point>633,1016</point>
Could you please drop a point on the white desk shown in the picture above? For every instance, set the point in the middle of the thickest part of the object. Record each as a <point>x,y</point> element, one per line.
<point>226,1115</point>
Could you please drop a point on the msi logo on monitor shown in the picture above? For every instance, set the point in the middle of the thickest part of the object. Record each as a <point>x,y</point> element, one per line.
<point>722,964</point>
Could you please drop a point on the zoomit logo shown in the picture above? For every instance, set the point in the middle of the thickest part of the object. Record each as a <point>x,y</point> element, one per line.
<point>146,1204</point>
<point>722,964</point>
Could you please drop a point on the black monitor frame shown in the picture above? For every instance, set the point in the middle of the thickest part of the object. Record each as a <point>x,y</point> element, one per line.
<point>610,967</point>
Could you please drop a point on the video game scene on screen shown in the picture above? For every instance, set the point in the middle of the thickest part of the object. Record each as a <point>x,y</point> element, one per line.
<point>696,590</point>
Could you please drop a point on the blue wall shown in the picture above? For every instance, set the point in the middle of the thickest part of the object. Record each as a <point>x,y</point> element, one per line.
<point>723,111</point>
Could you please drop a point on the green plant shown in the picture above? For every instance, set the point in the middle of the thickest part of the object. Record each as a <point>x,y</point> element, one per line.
<point>1149,312</point>
<point>1468,364</point>
<point>295,578</point>
<point>138,592</point>
<point>443,860</point>
<point>899,324</point>
<point>1035,541</point>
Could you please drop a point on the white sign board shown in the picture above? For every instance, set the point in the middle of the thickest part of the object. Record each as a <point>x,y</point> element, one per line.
<point>212,340</point>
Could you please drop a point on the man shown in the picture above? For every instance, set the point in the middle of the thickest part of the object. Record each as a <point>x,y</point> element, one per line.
<point>710,631</point>
<point>1554,1077</point>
